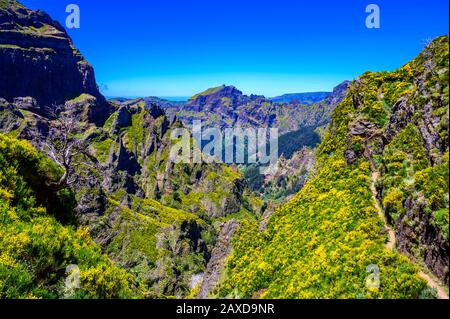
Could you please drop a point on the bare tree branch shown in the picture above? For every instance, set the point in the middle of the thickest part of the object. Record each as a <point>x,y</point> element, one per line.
<point>64,146</point>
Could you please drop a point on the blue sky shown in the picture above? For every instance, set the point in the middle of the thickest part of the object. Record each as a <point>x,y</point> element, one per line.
<point>181,47</point>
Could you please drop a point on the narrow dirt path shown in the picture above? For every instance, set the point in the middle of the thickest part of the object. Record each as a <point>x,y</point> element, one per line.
<point>391,241</point>
<point>441,293</point>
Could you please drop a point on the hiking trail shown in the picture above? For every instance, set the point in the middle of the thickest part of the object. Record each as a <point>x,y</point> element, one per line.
<point>390,244</point>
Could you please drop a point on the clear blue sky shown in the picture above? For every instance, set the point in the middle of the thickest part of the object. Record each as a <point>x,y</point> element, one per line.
<point>181,47</point>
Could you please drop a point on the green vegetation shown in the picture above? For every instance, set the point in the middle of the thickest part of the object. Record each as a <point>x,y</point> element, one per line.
<point>81,98</point>
<point>10,4</point>
<point>319,244</point>
<point>413,172</point>
<point>207,92</point>
<point>306,136</point>
<point>101,149</point>
<point>35,247</point>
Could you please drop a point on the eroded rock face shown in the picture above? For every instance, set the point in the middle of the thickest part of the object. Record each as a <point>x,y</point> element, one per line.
<point>10,117</point>
<point>216,264</point>
<point>402,113</point>
<point>433,248</point>
<point>122,120</point>
<point>229,203</point>
<point>291,174</point>
<point>181,242</point>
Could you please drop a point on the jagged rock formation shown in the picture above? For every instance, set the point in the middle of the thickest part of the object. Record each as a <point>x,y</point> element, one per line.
<point>299,126</point>
<point>290,176</point>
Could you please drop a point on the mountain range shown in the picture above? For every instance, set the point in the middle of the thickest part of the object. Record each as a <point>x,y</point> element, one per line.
<point>226,106</point>
<point>302,98</point>
<point>362,184</point>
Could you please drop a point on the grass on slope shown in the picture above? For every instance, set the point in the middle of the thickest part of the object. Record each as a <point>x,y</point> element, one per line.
<point>320,244</point>
<point>35,247</point>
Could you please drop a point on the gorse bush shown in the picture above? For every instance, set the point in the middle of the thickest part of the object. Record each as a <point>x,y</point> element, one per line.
<point>35,248</point>
<point>319,245</point>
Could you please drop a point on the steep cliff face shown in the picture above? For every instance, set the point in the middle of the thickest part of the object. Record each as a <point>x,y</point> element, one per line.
<point>216,265</point>
<point>414,187</point>
<point>38,59</point>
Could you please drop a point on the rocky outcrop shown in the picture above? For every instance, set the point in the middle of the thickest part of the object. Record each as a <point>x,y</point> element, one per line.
<point>122,120</point>
<point>219,99</point>
<point>230,201</point>
<point>337,95</point>
<point>402,113</point>
<point>430,246</point>
<point>180,242</point>
<point>216,264</point>
<point>10,117</point>
<point>289,176</point>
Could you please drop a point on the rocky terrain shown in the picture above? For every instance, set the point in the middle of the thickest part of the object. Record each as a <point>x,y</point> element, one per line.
<point>89,182</point>
<point>300,122</point>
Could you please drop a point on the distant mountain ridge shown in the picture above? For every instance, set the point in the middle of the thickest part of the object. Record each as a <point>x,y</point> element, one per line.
<point>303,98</point>
<point>149,100</point>
<point>226,106</point>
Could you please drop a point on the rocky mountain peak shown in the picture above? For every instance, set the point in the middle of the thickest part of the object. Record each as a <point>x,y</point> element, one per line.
<point>5,4</point>
<point>217,97</point>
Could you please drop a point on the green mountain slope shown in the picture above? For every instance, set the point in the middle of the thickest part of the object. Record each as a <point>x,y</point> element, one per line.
<point>35,247</point>
<point>319,244</point>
